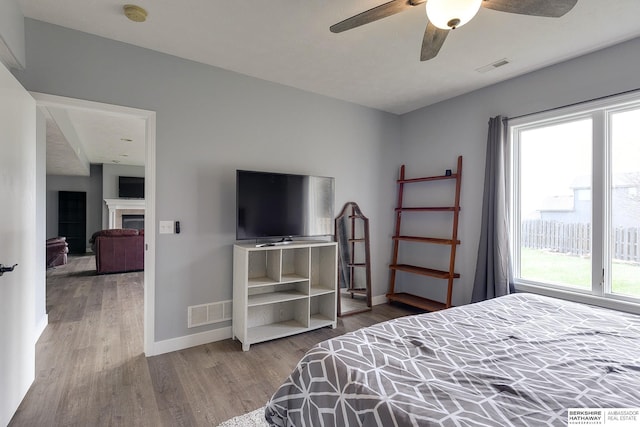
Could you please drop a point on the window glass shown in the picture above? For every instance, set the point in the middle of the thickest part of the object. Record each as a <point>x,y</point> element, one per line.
<point>555,203</point>
<point>625,202</point>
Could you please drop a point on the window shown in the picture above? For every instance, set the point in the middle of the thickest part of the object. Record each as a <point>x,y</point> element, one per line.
<point>575,204</point>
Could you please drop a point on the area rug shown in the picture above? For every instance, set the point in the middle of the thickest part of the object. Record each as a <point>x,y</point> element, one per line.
<point>252,419</point>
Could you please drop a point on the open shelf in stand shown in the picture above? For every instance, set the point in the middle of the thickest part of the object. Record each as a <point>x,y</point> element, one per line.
<point>319,320</point>
<point>416,301</point>
<point>428,178</point>
<point>292,278</point>
<point>261,281</point>
<point>429,209</point>
<point>274,297</point>
<point>319,290</point>
<point>440,274</point>
<point>275,330</point>
<point>433,240</point>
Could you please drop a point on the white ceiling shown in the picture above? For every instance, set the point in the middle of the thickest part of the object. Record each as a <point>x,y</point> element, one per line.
<point>376,65</point>
<point>78,137</point>
<point>108,138</point>
<point>62,158</point>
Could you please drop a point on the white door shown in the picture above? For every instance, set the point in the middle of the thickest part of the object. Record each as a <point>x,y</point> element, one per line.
<point>17,242</point>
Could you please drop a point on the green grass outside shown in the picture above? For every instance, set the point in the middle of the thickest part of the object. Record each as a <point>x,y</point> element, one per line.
<point>543,266</point>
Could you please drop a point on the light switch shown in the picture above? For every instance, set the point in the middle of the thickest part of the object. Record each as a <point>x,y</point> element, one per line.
<point>166,227</point>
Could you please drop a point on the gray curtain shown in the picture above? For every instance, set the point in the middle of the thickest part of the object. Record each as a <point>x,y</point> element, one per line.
<point>493,270</point>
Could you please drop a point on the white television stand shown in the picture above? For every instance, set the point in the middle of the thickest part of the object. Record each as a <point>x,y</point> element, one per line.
<point>280,243</point>
<point>284,289</point>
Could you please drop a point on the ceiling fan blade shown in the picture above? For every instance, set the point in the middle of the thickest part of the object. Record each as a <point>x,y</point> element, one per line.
<point>433,39</point>
<point>379,12</point>
<point>545,8</point>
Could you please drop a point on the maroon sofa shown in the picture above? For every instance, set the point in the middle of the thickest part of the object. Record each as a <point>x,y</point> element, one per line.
<point>57,249</point>
<point>118,250</point>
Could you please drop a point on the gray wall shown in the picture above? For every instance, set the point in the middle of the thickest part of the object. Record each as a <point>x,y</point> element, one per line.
<point>209,123</point>
<point>110,174</point>
<point>92,185</point>
<point>433,136</point>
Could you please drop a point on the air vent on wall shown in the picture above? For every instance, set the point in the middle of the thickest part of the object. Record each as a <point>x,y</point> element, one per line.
<point>205,314</point>
<point>499,63</point>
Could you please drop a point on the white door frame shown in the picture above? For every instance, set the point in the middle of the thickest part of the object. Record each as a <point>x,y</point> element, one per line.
<point>149,194</point>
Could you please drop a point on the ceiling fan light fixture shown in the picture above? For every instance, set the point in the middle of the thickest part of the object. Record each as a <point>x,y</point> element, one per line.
<point>451,14</point>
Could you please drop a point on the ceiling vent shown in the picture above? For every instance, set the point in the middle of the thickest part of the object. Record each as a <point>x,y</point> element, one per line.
<point>493,65</point>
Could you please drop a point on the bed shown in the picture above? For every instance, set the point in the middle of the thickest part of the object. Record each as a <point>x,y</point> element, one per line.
<point>518,360</point>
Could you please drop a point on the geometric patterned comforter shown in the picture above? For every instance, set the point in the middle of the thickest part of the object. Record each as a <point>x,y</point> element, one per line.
<point>517,360</point>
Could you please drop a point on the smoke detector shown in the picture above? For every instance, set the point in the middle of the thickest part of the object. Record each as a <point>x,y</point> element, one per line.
<point>135,13</point>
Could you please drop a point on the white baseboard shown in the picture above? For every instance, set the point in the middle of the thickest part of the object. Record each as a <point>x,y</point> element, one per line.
<point>379,299</point>
<point>40,327</point>
<point>180,343</point>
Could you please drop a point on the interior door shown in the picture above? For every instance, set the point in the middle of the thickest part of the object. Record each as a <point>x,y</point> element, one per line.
<point>17,242</point>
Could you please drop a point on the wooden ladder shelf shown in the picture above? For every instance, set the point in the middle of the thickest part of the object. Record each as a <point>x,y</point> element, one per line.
<point>453,242</point>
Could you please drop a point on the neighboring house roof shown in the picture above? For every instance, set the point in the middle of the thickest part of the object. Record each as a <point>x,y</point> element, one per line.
<point>581,181</point>
<point>566,202</point>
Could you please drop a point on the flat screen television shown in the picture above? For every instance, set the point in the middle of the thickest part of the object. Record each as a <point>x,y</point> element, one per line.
<point>131,187</point>
<point>277,205</point>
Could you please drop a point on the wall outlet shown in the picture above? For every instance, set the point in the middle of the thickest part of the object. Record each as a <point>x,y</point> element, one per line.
<point>167,227</point>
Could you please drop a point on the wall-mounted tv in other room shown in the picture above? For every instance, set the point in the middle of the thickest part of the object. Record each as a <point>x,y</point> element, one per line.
<point>130,187</point>
<point>276,205</point>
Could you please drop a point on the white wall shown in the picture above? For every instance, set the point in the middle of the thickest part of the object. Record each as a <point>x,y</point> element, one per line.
<point>433,136</point>
<point>12,45</point>
<point>209,123</point>
<point>92,185</point>
<point>41,222</point>
<point>110,174</point>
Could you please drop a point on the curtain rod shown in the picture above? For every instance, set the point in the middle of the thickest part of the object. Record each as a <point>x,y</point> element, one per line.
<point>576,103</point>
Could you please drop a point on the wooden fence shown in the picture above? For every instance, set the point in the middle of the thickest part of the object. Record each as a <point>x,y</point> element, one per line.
<point>575,239</point>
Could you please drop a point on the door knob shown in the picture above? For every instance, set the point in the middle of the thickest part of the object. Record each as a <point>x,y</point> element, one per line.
<point>6,269</point>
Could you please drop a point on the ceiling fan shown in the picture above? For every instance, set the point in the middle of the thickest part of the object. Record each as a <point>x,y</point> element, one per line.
<point>446,15</point>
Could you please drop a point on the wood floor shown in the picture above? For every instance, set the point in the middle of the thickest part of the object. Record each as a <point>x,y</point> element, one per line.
<point>91,369</point>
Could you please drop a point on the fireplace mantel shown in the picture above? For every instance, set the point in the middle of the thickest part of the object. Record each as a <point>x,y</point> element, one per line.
<point>119,206</point>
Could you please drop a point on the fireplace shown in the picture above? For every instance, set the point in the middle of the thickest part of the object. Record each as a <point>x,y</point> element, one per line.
<point>133,221</point>
<point>124,207</point>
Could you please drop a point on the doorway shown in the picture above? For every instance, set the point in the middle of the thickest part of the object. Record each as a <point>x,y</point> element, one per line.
<point>149,119</point>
